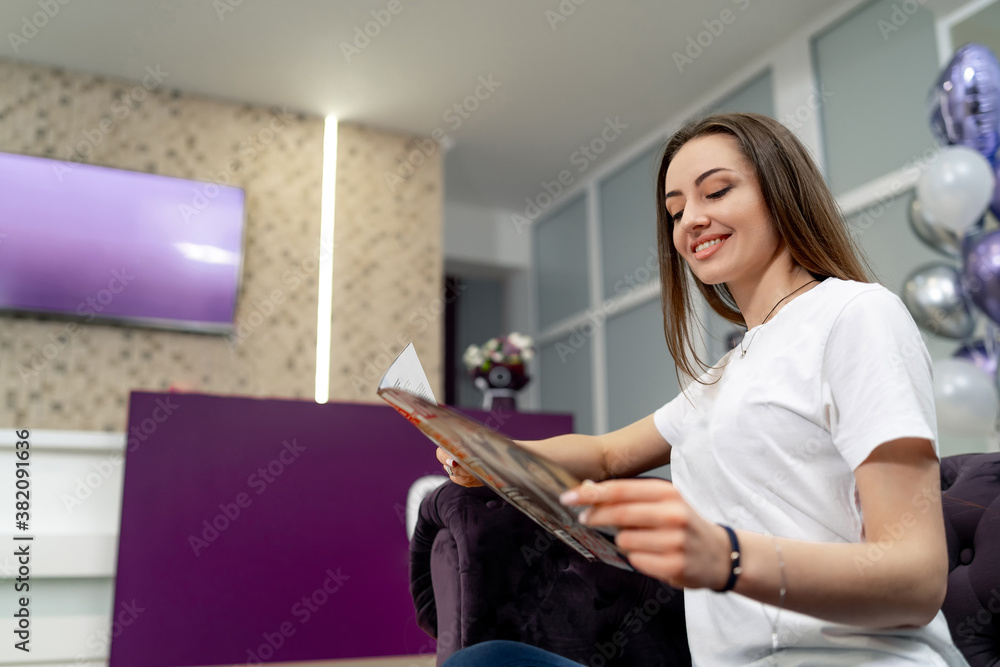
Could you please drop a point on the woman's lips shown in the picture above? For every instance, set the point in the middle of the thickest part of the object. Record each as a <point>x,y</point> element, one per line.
<point>711,250</point>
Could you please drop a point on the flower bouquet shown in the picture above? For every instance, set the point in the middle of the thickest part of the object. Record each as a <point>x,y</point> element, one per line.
<point>498,369</point>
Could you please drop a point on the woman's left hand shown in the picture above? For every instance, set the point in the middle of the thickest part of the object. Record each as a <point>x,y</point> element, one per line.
<point>661,534</point>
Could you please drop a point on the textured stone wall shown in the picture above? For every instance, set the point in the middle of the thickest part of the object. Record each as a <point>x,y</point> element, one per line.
<point>388,259</point>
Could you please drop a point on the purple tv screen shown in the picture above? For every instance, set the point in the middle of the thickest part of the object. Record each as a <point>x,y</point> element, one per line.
<point>96,243</point>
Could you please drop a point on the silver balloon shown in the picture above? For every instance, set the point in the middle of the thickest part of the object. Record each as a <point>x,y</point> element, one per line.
<point>933,295</point>
<point>945,240</point>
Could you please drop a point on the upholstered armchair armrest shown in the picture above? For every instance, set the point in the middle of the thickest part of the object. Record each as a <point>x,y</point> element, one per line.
<point>480,569</point>
<point>970,490</point>
<point>434,560</point>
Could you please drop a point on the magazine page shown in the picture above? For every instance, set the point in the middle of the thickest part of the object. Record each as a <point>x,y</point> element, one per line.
<point>406,373</point>
<point>526,480</point>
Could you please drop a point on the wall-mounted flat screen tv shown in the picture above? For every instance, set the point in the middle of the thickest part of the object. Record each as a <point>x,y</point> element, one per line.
<point>98,244</point>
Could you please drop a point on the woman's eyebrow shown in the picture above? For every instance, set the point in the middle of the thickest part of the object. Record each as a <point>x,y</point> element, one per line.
<point>698,181</point>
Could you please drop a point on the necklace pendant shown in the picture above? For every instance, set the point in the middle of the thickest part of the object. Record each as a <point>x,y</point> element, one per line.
<point>743,353</point>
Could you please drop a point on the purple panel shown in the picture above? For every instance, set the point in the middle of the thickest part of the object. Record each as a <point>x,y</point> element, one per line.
<point>324,489</point>
<point>97,242</point>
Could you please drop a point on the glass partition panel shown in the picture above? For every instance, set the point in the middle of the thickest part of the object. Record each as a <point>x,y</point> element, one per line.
<point>566,381</point>
<point>628,225</point>
<point>875,68</point>
<point>561,263</point>
<point>754,96</point>
<point>640,371</point>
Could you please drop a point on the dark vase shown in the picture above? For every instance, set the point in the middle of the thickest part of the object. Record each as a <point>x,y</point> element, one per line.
<point>501,400</point>
<point>500,385</point>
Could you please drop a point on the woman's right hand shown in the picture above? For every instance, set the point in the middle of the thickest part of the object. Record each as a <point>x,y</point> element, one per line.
<point>456,473</point>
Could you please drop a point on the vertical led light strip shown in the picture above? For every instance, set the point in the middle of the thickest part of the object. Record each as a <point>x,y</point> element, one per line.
<point>325,310</point>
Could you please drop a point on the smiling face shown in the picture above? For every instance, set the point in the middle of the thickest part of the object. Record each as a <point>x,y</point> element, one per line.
<point>713,193</point>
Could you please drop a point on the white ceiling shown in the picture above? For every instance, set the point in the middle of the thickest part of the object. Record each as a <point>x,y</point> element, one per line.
<point>608,59</point>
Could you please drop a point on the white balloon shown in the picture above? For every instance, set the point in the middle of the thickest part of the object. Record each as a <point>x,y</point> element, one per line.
<point>966,398</point>
<point>956,187</point>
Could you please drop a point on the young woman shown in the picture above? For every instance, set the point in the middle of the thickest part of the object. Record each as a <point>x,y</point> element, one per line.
<point>804,518</point>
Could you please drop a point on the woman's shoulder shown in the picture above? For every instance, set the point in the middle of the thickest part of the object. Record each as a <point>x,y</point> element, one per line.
<point>843,293</point>
<point>851,304</point>
<point>850,288</point>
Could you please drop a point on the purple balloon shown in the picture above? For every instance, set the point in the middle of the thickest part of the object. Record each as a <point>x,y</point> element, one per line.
<point>965,100</point>
<point>977,353</point>
<point>981,277</point>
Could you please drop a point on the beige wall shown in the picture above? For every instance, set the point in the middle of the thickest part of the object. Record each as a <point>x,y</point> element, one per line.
<point>52,377</point>
<point>388,261</point>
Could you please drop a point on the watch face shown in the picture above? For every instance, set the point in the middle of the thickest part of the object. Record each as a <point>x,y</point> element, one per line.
<point>500,376</point>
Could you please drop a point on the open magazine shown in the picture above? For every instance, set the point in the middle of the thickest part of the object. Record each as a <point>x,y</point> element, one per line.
<point>524,479</point>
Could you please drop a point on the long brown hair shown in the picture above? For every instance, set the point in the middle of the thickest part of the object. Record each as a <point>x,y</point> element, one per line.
<point>800,204</point>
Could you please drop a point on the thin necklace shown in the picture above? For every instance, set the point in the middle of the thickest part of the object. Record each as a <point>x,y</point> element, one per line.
<point>743,352</point>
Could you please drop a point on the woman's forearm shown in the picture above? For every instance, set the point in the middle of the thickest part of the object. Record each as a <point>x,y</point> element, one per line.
<point>582,455</point>
<point>872,585</point>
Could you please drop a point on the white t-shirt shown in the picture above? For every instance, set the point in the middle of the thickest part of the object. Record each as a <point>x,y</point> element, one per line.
<point>772,446</point>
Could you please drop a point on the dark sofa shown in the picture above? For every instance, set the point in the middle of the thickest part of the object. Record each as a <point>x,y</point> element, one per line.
<point>480,570</point>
